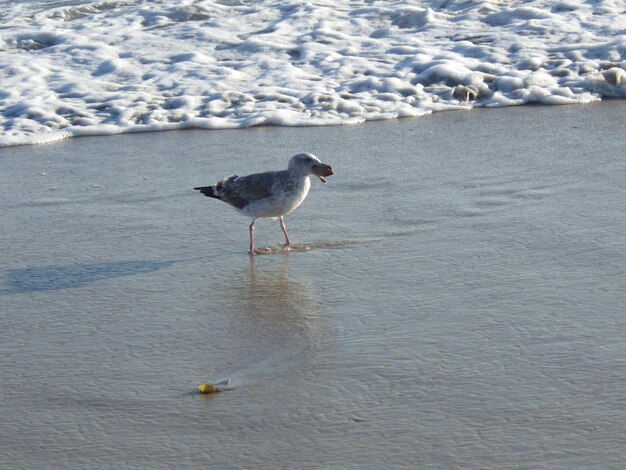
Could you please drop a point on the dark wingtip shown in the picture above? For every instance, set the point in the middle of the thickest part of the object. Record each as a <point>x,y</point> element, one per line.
<point>207,191</point>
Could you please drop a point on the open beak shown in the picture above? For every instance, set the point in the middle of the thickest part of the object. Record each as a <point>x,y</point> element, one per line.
<point>321,170</point>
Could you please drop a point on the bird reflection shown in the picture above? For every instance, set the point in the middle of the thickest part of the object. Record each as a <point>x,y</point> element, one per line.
<point>273,315</point>
<point>270,296</point>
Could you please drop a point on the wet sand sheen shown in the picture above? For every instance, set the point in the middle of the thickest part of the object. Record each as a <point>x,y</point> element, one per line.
<point>454,298</point>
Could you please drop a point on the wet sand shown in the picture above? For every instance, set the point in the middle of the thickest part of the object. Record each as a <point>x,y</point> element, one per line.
<point>456,299</point>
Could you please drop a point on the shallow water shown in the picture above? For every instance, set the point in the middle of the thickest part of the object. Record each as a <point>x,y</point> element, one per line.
<point>457,299</point>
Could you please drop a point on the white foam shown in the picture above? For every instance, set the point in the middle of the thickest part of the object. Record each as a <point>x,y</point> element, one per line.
<point>88,68</point>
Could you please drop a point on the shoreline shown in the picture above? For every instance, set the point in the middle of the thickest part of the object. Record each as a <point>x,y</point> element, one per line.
<point>64,135</point>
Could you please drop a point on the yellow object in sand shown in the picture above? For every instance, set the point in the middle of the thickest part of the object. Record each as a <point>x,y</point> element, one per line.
<point>208,388</point>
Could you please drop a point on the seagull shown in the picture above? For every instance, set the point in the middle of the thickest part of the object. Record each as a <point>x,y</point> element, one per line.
<point>270,194</point>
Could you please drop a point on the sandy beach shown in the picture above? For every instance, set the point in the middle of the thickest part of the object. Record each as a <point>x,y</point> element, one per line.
<point>457,300</point>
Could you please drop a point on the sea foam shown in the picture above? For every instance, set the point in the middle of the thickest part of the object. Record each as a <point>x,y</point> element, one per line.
<point>92,68</point>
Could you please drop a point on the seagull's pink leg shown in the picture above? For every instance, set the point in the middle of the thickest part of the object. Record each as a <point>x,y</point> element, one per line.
<point>252,237</point>
<point>282,227</point>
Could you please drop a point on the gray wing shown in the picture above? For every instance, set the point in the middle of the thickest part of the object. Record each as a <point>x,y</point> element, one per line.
<point>243,190</point>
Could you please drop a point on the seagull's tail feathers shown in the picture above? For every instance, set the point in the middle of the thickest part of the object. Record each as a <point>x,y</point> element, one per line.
<point>215,191</point>
<point>208,191</point>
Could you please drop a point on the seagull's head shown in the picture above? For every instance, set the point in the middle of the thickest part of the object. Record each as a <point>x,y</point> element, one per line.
<point>309,164</point>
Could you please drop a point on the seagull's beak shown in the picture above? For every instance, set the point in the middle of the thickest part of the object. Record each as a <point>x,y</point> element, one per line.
<point>320,170</point>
